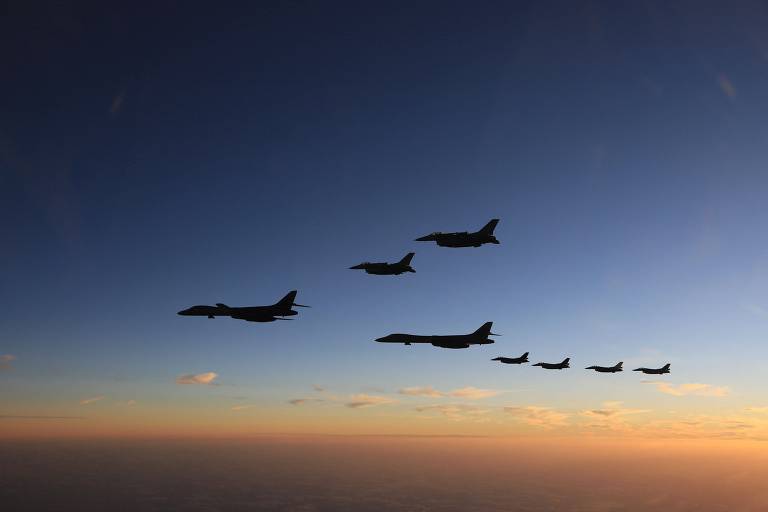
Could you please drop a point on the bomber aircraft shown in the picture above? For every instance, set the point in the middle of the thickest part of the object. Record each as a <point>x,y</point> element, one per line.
<point>250,313</point>
<point>512,360</point>
<point>387,269</point>
<point>464,239</point>
<point>555,366</point>
<point>654,371</point>
<point>607,369</point>
<point>479,337</point>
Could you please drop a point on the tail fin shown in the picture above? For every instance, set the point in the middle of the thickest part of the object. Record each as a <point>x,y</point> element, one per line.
<point>287,301</point>
<point>407,258</point>
<point>485,330</point>
<point>665,367</point>
<point>488,228</point>
<point>524,356</point>
<point>620,364</point>
<point>567,360</point>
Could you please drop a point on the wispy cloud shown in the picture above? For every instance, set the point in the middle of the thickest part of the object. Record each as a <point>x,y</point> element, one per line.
<point>86,401</point>
<point>421,391</point>
<point>758,410</point>
<point>543,417</point>
<point>241,407</point>
<point>363,400</point>
<point>304,401</point>
<point>6,360</point>
<point>131,403</point>
<point>694,388</point>
<point>469,392</point>
<point>200,378</point>
<point>456,412</point>
<point>117,103</point>
<point>318,388</point>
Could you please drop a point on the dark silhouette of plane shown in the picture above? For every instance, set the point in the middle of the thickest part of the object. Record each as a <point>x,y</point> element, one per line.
<point>250,313</point>
<point>387,269</point>
<point>555,366</point>
<point>654,371</point>
<point>607,369</point>
<point>479,337</point>
<point>512,360</point>
<point>464,239</point>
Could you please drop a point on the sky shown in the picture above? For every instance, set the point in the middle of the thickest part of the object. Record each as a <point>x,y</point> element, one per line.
<point>149,163</point>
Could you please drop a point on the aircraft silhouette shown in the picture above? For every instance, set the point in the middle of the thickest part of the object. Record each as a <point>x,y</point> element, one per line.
<point>464,239</point>
<point>387,269</point>
<point>512,360</point>
<point>654,371</point>
<point>607,369</point>
<point>250,313</point>
<point>479,337</point>
<point>555,366</point>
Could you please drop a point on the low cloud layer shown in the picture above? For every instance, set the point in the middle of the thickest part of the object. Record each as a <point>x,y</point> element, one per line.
<point>363,400</point>
<point>304,401</point>
<point>200,378</point>
<point>536,416</point>
<point>694,388</point>
<point>469,392</point>
<point>86,401</point>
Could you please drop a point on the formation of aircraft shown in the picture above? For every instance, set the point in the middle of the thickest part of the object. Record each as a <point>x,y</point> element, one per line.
<point>276,311</point>
<point>387,269</point>
<point>464,238</point>
<point>479,337</point>
<point>284,307</point>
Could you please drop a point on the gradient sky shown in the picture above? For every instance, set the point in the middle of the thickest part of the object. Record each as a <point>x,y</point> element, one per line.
<point>153,161</point>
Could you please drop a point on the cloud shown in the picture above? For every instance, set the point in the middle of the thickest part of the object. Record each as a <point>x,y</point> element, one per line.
<point>469,392</point>
<point>302,401</point>
<point>241,407</point>
<point>693,388</point>
<point>131,402</point>
<point>543,417</point>
<point>318,388</point>
<point>117,103</point>
<point>421,391</point>
<point>5,361</point>
<point>200,378</point>
<point>456,412</point>
<point>363,400</point>
<point>758,410</point>
<point>86,401</point>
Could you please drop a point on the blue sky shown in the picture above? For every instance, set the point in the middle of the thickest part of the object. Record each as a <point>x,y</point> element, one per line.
<point>153,163</point>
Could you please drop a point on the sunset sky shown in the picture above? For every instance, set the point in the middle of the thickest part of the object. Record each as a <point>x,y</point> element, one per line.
<point>149,163</point>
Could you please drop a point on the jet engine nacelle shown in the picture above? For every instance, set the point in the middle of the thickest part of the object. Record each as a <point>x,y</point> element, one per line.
<point>444,345</point>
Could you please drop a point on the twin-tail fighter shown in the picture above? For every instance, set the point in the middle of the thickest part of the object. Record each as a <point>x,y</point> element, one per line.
<point>271,313</point>
<point>479,337</point>
<point>607,369</point>
<point>464,238</point>
<point>565,363</point>
<point>653,371</point>
<point>512,360</point>
<point>387,269</point>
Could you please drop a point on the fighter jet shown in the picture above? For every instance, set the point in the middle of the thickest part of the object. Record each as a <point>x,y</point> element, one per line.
<point>555,366</point>
<point>512,360</point>
<point>479,337</point>
<point>654,371</point>
<point>387,269</point>
<point>464,239</point>
<point>607,369</point>
<point>251,313</point>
